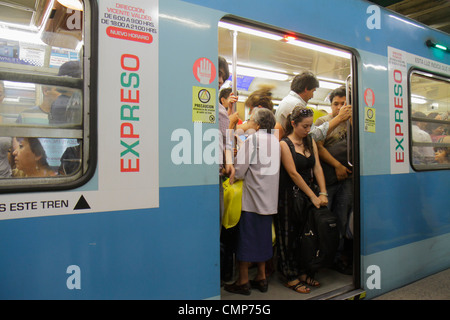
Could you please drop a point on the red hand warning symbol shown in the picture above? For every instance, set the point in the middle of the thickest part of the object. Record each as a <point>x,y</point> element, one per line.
<point>204,71</point>
<point>369,97</point>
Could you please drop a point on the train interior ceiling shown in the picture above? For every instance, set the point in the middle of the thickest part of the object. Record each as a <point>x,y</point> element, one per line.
<point>270,58</point>
<point>273,58</point>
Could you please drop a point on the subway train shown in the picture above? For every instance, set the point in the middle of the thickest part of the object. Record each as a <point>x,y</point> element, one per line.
<point>109,121</point>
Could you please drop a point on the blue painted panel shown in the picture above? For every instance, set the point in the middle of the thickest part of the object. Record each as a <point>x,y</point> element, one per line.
<point>182,41</point>
<point>374,146</point>
<point>403,208</point>
<point>347,19</point>
<point>139,254</point>
<point>405,264</point>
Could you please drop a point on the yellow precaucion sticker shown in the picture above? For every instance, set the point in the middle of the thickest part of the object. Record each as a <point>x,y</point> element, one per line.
<point>203,105</point>
<point>369,119</point>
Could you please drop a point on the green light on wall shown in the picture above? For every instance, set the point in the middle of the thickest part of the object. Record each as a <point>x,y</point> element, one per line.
<point>439,46</point>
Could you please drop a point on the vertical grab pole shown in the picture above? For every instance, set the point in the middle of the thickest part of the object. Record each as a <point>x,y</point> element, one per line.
<point>233,67</point>
<point>349,140</point>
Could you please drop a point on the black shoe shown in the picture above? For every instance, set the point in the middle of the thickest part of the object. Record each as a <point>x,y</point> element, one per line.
<point>239,289</point>
<point>262,285</point>
<point>343,268</point>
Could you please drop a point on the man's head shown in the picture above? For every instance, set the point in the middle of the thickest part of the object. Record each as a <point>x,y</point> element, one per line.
<point>337,99</point>
<point>422,125</point>
<point>223,97</point>
<point>224,72</point>
<point>304,85</point>
<point>70,69</point>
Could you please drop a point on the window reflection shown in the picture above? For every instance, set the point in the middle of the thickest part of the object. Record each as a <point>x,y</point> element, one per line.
<point>52,105</point>
<point>41,96</point>
<point>430,123</point>
<point>30,158</point>
<point>41,157</point>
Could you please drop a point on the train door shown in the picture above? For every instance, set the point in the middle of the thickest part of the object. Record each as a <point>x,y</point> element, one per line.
<point>261,57</point>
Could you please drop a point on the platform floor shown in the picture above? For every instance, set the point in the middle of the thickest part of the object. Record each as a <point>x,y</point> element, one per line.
<point>434,287</point>
<point>330,280</point>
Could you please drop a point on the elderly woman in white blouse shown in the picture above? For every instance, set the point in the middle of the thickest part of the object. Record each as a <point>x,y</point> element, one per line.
<point>258,164</point>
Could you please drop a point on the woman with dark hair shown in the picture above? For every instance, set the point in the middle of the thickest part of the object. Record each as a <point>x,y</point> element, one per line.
<point>442,155</point>
<point>31,159</point>
<point>300,164</point>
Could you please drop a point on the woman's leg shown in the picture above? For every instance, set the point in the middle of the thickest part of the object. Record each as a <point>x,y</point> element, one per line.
<point>310,281</point>
<point>243,272</point>
<point>261,271</point>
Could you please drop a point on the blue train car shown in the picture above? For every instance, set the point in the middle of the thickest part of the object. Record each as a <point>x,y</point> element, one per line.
<point>109,122</point>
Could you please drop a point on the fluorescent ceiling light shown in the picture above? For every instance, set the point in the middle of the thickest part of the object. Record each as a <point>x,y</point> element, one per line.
<point>281,75</point>
<point>259,67</point>
<point>319,48</point>
<point>418,99</point>
<point>72,4</point>
<point>329,85</point>
<point>290,40</point>
<point>19,26</point>
<point>342,82</point>
<point>11,100</point>
<point>261,73</point>
<point>20,36</point>
<point>19,85</point>
<point>254,32</point>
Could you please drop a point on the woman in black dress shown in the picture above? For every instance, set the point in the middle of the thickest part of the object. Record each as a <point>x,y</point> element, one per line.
<point>300,164</point>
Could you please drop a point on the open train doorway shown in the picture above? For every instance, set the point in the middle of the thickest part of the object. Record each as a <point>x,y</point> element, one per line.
<point>263,58</point>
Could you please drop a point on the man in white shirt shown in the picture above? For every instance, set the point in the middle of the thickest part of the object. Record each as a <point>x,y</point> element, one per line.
<point>302,90</point>
<point>421,154</point>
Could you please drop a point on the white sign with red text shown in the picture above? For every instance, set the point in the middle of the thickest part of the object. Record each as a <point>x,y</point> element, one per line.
<point>127,175</point>
<point>128,105</point>
<point>398,63</point>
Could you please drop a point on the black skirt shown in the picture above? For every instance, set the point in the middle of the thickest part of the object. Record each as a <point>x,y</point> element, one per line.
<point>255,237</point>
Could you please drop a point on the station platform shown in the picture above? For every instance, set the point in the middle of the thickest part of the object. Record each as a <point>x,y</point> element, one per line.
<point>434,287</point>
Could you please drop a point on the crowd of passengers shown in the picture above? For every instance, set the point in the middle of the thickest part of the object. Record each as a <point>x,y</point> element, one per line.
<point>310,157</point>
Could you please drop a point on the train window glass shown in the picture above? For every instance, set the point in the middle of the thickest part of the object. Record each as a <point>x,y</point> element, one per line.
<point>430,123</point>
<point>43,93</point>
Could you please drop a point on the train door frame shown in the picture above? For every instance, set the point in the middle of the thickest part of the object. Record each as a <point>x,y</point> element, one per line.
<point>356,177</point>
<point>354,289</point>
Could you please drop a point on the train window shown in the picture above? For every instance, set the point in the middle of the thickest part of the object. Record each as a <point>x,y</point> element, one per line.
<point>44,95</point>
<point>430,123</point>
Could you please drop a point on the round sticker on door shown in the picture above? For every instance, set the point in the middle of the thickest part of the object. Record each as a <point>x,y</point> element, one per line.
<point>204,70</point>
<point>369,97</point>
